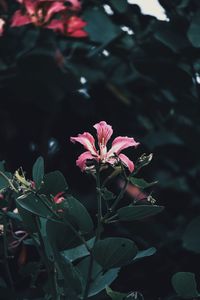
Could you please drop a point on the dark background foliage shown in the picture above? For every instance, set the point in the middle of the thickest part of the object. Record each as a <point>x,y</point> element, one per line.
<point>145,84</point>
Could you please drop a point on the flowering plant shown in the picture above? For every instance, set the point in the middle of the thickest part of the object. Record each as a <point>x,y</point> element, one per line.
<point>78,257</point>
<point>59,16</point>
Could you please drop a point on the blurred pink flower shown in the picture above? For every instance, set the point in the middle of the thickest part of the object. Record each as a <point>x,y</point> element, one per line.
<point>103,156</point>
<point>72,26</point>
<point>41,13</point>
<point>58,198</point>
<point>37,12</point>
<point>2,23</point>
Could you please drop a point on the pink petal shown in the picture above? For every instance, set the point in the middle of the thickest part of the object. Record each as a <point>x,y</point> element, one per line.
<point>127,162</point>
<point>59,198</point>
<point>54,8</point>
<point>121,143</point>
<point>2,23</point>
<point>30,6</point>
<point>82,159</point>
<point>75,4</point>
<point>78,34</point>
<point>56,25</point>
<point>104,132</point>
<point>75,23</point>
<point>19,20</point>
<point>87,140</point>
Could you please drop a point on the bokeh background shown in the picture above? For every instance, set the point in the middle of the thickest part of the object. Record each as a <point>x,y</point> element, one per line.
<point>139,70</point>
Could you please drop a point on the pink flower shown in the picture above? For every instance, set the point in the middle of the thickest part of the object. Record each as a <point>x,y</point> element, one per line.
<point>2,23</point>
<point>58,198</point>
<point>103,156</point>
<point>72,26</point>
<point>41,13</point>
<point>36,12</point>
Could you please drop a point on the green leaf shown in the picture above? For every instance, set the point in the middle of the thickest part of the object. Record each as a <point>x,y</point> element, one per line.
<point>3,182</point>
<point>78,214</point>
<point>35,205</point>
<point>61,236</point>
<point>138,212</point>
<point>143,161</point>
<point>185,285</point>
<point>120,6</point>
<point>145,253</point>
<point>194,30</point>
<point>161,138</point>
<point>79,251</point>
<point>191,238</point>
<point>38,172</point>
<point>141,183</point>
<point>54,183</point>
<point>71,277</point>
<point>107,195</point>
<point>114,252</point>
<point>115,295</point>
<point>99,278</point>
<point>28,219</point>
<point>99,26</point>
<point>171,37</point>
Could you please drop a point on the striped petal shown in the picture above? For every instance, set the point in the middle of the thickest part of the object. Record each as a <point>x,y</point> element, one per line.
<point>127,162</point>
<point>19,20</point>
<point>104,132</point>
<point>87,140</point>
<point>120,143</point>
<point>82,160</point>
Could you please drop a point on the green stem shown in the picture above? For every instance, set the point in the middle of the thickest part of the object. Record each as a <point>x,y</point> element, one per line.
<point>87,286</point>
<point>117,200</point>
<point>98,232</point>
<point>99,199</point>
<point>6,257</point>
<point>9,181</point>
<point>57,217</point>
<point>49,266</point>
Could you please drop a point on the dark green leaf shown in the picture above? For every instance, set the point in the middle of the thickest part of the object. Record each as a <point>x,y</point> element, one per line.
<point>72,280</point>
<point>79,251</point>
<point>145,253</point>
<point>38,172</point>
<point>191,237</point>
<point>141,183</point>
<point>114,252</point>
<point>184,284</point>
<point>107,195</point>
<point>194,30</point>
<point>36,205</point>
<point>78,214</point>
<point>120,6</point>
<point>138,212</point>
<point>54,183</point>
<point>100,279</point>
<point>115,295</point>
<point>28,219</point>
<point>61,236</point>
<point>99,26</point>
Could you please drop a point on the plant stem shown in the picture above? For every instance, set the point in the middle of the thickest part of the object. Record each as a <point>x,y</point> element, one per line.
<point>98,232</point>
<point>57,217</point>
<point>87,286</point>
<point>99,199</point>
<point>49,266</point>
<point>9,181</point>
<point>6,257</point>
<point>117,200</point>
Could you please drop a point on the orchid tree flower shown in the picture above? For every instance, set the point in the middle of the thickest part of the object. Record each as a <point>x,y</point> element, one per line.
<point>36,12</point>
<point>41,13</point>
<point>103,156</point>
